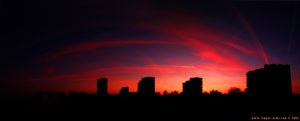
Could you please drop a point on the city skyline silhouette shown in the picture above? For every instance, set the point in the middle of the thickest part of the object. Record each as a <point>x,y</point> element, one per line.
<point>276,101</point>
<point>64,46</point>
<point>272,80</point>
<point>190,60</point>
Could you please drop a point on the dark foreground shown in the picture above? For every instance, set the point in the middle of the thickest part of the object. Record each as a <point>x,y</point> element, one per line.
<point>113,108</point>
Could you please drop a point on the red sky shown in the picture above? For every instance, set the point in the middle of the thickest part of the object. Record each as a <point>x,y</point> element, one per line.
<point>70,47</point>
<point>216,56</point>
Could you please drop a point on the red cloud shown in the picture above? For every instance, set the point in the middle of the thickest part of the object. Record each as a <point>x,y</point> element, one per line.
<point>89,45</point>
<point>257,42</point>
<point>219,57</point>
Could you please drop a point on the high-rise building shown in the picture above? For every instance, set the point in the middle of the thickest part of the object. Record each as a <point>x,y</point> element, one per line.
<point>124,91</point>
<point>193,87</point>
<point>272,80</point>
<point>102,87</point>
<point>146,87</point>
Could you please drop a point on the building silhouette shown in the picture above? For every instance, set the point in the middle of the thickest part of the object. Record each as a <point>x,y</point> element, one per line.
<point>102,87</point>
<point>146,87</point>
<point>193,87</point>
<point>124,91</point>
<point>272,80</point>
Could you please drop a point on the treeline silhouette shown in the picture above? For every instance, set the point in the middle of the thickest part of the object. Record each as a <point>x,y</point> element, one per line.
<point>271,81</point>
<point>268,94</point>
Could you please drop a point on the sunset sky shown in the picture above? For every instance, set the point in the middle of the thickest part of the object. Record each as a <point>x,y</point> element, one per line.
<point>67,46</point>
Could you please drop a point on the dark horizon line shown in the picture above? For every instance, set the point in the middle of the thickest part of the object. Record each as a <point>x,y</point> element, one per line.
<point>285,67</point>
